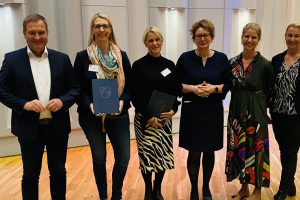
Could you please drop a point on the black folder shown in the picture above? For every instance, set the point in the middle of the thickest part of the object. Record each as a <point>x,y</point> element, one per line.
<point>160,102</point>
<point>105,96</point>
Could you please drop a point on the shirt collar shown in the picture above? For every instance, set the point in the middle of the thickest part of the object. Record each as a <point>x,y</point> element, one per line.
<point>31,54</point>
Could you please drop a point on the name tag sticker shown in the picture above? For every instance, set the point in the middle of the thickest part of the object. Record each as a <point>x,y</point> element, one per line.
<point>165,72</point>
<point>93,68</point>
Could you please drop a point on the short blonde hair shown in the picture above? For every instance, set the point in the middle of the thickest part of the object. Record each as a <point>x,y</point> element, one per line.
<point>152,29</point>
<point>205,24</point>
<point>294,25</point>
<point>253,26</point>
<point>112,37</point>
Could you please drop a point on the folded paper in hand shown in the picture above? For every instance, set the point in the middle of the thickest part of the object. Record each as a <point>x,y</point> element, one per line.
<point>105,96</point>
<point>160,102</point>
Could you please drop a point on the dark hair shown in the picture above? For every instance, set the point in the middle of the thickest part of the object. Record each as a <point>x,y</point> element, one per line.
<point>34,18</point>
<point>205,24</point>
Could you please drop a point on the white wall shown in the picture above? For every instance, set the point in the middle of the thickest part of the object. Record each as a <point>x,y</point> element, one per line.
<point>138,20</point>
<point>68,21</point>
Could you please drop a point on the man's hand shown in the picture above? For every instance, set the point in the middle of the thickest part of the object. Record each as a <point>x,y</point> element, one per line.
<point>34,105</point>
<point>54,105</point>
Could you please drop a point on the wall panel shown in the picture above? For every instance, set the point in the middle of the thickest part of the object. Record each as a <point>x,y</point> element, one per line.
<point>119,17</point>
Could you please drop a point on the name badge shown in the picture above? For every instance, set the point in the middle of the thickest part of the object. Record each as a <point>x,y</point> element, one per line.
<point>165,72</point>
<point>93,68</point>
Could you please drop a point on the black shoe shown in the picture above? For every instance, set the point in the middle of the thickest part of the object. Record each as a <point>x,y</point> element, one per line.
<point>292,190</point>
<point>157,194</point>
<point>281,195</point>
<point>207,195</point>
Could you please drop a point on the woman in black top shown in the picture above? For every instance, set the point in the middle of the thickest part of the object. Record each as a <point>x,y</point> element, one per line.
<point>153,134</point>
<point>286,109</point>
<point>103,59</point>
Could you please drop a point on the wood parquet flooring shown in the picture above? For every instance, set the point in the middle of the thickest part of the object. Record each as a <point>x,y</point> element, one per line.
<point>81,184</point>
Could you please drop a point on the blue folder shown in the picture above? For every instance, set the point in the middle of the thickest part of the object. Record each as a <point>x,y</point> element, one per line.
<point>105,96</point>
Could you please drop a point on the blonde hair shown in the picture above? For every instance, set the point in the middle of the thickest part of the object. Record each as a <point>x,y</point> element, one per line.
<point>112,37</point>
<point>294,25</point>
<point>152,29</point>
<point>205,24</point>
<point>253,26</point>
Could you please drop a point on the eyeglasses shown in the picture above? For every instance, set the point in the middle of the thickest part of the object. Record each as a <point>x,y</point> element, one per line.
<point>200,36</point>
<point>104,26</point>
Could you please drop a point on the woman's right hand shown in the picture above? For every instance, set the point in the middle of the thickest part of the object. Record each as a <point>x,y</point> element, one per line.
<point>204,89</point>
<point>155,122</point>
<point>92,110</point>
<point>198,90</point>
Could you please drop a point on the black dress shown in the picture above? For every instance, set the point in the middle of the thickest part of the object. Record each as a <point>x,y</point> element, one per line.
<point>155,146</point>
<point>202,119</point>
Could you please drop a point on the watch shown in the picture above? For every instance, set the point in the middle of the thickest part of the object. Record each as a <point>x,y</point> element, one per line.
<point>216,89</point>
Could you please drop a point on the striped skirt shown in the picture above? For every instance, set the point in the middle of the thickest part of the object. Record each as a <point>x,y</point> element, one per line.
<point>155,146</point>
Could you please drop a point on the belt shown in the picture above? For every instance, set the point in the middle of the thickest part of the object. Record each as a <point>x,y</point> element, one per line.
<point>45,121</point>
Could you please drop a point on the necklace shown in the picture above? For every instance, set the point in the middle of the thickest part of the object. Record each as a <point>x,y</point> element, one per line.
<point>293,58</point>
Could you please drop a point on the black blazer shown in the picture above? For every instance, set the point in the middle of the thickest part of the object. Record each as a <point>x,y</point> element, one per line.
<point>277,61</point>
<point>17,87</point>
<point>84,76</point>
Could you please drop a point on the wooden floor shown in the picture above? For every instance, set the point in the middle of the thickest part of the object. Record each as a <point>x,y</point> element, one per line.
<point>81,184</point>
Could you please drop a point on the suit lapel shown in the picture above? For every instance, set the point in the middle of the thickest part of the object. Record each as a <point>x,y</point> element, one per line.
<point>51,59</point>
<point>28,71</point>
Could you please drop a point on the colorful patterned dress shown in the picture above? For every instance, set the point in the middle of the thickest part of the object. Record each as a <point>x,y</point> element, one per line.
<point>247,128</point>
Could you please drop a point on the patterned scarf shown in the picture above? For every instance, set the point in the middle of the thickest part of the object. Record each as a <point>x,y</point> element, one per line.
<point>106,71</point>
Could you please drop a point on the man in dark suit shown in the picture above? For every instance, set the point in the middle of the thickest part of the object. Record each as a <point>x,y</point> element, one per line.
<point>38,84</point>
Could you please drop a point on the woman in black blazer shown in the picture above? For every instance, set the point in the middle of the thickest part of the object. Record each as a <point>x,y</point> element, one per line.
<point>103,59</point>
<point>285,109</point>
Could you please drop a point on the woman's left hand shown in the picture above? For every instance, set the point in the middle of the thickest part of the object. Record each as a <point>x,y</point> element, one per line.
<point>207,89</point>
<point>121,105</point>
<point>167,115</point>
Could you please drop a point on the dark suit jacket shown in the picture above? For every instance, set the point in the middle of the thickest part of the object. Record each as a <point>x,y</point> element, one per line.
<point>84,76</point>
<point>17,87</point>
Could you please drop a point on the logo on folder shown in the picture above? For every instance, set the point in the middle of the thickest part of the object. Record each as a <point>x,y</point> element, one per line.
<point>105,91</point>
<point>105,95</point>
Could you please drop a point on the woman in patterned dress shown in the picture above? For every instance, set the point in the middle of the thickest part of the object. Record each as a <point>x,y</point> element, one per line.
<point>206,78</point>
<point>247,129</point>
<point>286,109</point>
<point>153,134</point>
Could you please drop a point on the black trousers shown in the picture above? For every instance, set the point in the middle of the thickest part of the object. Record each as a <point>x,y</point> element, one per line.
<point>32,154</point>
<point>287,133</point>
